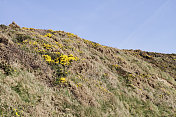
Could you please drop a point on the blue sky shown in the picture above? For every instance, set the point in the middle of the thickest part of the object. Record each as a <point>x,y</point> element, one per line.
<point>149,25</point>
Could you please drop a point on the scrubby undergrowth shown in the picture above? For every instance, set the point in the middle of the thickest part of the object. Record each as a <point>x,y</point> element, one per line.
<point>46,73</point>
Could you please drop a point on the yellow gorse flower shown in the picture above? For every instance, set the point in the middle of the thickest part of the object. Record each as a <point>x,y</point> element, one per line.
<point>62,80</point>
<point>15,110</point>
<point>65,60</point>
<point>47,46</point>
<point>71,35</point>
<point>34,43</point>
<point>48,35</point>
<point>58,44</point>
<point>48,58</point>
<point>51,30</point>
<point>25,41</point>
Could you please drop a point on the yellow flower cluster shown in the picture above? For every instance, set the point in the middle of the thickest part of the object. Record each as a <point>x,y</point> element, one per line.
<point>16,112</point>
<point>79,51</point>
<point>116,66</point>
<point>51,30</point>
<point>48,58</point>
<point>78,85</point>
<point>44,45</point>
<point>48,35</point>
<point>60,45</point>
<point>47,46</point>
<point>145,76</point>
<point>148,56</point>
<point>62,80</point>
<point>71,35</point>
<point>43,51</point>
<point>130,75</point>
<point>65,60</point>
<point>91,43</point>
<point>34,43</point>
<point>60,31</point>
<point>25,41</point>
<point>30,42</point>
<point>24,28</point>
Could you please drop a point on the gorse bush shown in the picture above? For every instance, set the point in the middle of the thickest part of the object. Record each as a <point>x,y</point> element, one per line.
<point>66,60</point>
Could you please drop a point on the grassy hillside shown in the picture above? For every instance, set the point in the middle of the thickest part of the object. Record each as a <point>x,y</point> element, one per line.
<point>46,73</point>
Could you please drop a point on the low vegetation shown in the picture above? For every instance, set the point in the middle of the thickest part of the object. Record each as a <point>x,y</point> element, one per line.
<point>46,73</point>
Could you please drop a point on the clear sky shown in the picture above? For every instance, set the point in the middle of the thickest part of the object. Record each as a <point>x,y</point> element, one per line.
<point>149,25</point>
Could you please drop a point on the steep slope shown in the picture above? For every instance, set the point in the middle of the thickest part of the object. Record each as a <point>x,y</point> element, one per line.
<point>46,73</point>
